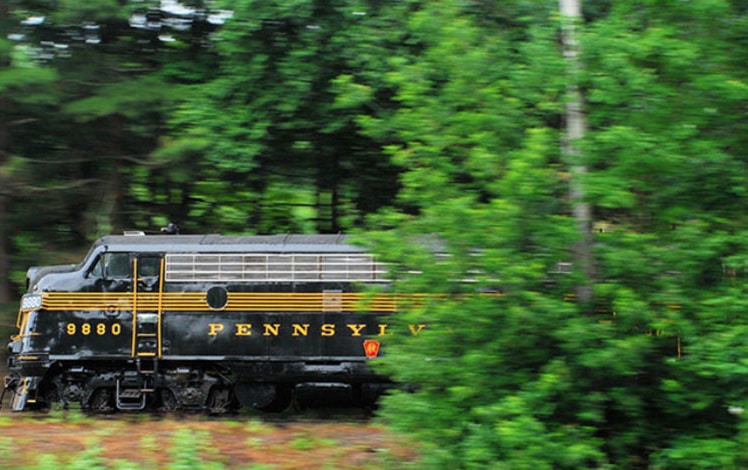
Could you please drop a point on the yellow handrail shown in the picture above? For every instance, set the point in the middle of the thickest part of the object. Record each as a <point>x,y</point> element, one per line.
<point>134,304</point>
<point>160,307</point>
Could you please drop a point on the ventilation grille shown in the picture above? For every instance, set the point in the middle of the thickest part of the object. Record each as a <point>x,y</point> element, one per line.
<point>274,268</point>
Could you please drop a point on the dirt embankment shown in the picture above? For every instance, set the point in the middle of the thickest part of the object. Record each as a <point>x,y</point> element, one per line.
<point>67,439</point>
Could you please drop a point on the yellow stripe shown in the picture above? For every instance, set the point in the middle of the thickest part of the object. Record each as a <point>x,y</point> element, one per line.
<point>237,301</point>
<point>196,301</point>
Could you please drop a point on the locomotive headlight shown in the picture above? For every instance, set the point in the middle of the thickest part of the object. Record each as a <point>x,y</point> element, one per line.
<point>31,302</point>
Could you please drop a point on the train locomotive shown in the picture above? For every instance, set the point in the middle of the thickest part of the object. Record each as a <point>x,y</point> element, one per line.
<point>201,322</point>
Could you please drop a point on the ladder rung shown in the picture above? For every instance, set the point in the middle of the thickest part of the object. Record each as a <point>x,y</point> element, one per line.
<point>146,354</point>
<point>148,335</point>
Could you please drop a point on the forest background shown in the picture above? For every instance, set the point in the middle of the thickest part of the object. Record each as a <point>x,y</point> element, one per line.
<point>395,119</point>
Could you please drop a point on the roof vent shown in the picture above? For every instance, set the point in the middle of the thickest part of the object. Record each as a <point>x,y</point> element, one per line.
<point>134,233</point>
<point>171,229</point>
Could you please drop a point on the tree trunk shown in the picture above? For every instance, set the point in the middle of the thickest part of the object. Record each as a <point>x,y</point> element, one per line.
<point>5,295</point>
<point>576,126</point>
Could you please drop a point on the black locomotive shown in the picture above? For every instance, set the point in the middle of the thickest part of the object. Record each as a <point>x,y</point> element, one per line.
<point>205,322</point>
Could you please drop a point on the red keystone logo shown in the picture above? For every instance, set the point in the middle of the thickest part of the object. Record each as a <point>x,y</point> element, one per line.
<point>371,348</point>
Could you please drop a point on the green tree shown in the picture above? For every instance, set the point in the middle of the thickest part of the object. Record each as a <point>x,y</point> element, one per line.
<point>527,380</point>
<point>86,88</point>
<point>478,132</point>
<point>665,96</point>
<point>277,149</point>
<point>24,98</point>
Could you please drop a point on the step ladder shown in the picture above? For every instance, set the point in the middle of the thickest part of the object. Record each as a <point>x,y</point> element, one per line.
<point>133,388</point>
<point>146,325</point>
<point>131,391</point>
<point>146,336</point>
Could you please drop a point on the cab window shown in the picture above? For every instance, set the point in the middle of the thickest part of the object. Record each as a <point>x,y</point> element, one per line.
<point>116,265</point>
<point>98,268</point>
<point>148,266</point>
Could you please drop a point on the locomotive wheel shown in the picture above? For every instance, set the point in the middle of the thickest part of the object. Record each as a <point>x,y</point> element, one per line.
<point>51,400</point>
<point>167,401</point>
<point>102,401</point>
<point>46,397</point>
<point>281,401</point>
<point>219,400</point>
<point>267,397</point>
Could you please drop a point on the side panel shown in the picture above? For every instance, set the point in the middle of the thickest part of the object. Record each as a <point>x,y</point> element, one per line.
<point>276,336</point>
<point>81,333</point>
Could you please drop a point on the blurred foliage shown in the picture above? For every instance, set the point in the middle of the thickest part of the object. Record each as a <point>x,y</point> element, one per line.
<point>434,127</point>
<point>272,116</point>
<point>526,380</point>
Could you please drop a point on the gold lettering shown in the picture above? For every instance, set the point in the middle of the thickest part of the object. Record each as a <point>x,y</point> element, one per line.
<point>271,330</point>
<point>215,328</point>
<point>356,329</point>
<point>300,330</point>
<point>415,329</point>
<point>243,329</point>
